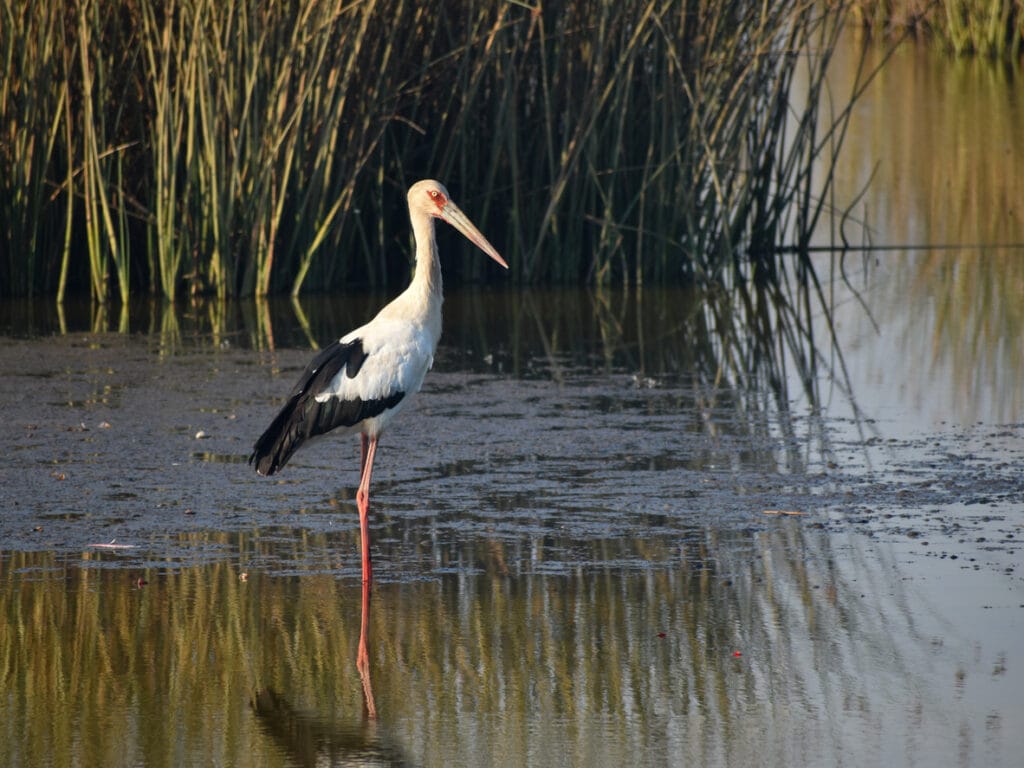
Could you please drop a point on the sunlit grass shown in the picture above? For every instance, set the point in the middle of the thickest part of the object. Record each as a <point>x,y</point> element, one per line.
<point>242,148</point>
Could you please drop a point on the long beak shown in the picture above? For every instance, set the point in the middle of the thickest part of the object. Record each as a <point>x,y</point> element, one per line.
<point>451,213</point>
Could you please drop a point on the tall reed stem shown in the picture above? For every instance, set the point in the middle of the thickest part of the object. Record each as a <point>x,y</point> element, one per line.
<point>248,148</point>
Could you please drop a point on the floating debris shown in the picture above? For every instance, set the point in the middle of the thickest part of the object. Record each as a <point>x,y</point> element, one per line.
<point>112,544</point>
<point>643,382</point>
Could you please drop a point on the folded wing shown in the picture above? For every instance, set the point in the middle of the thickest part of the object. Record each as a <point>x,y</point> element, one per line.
<point>322,400</point>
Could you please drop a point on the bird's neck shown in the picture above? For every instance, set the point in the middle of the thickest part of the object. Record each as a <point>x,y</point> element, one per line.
<point>427,277</point>
<point>423,296</point>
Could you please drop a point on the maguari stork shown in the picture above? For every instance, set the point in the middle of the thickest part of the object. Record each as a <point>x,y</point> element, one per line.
<point>361,381</point>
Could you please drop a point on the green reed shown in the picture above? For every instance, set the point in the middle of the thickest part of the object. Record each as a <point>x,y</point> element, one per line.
<point>242,148</point>
<point>32,112</point>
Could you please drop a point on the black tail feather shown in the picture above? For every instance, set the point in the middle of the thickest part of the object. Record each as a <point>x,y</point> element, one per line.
<point>290,428</point>
<point>279,441</point>
<point>302,417</point>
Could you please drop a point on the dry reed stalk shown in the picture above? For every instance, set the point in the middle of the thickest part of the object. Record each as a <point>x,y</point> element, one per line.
<point>243,148</point>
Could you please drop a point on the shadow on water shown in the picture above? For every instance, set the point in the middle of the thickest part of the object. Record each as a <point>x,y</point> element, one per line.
<point>309,738</point>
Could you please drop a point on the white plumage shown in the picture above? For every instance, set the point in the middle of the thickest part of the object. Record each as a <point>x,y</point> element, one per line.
<point>398,355</point>
<point>363,380</point>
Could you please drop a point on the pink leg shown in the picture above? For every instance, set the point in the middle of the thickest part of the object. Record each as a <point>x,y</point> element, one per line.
<point>363,502</point>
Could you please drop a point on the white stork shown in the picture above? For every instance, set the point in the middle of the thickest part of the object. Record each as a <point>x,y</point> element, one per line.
<point>362,380</point>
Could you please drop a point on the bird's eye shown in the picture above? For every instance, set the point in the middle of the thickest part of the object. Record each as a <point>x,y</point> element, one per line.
<point>433,193</point>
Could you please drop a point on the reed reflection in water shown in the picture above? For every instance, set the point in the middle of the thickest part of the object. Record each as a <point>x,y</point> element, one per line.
<point>583,605</point>
<point>783,646</point>
<point>917,164</point>
<point>953,323</point>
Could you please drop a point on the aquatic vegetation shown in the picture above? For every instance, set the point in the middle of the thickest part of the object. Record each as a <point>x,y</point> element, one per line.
<point>249,148</point>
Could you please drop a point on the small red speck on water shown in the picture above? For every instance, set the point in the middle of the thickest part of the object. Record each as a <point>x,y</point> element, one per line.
<point>141,582</point>
<point>737,654</point>
<point>662,635</point>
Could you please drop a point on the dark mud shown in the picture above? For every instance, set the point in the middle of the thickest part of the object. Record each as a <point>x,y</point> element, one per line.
<point>578,560</point>
<point>110,439</point>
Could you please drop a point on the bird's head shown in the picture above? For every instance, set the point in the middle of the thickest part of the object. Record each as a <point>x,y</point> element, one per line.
<point>430,198</point>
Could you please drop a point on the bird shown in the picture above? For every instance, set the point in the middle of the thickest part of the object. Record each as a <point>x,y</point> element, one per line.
<point>360,382</point>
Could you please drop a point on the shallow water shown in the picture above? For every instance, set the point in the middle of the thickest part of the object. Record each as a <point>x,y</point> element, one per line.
<point>587,551</point>
<point>613,529</point>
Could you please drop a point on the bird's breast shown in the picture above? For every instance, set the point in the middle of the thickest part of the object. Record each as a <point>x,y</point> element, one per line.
<point>397,356</point>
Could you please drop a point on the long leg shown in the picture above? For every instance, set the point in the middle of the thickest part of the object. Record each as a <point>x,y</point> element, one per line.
<point>363,656</point>
<point>363,502</point>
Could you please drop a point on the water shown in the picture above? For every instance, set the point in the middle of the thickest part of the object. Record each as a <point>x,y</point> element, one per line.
<point>581,550</point>
<point>613,529</point>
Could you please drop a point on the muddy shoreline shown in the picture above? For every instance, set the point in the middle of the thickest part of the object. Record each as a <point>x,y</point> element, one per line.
<point>111,440</point>
<point>592,555</point>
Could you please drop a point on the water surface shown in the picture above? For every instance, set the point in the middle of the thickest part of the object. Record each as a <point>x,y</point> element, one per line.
<point>626,527</point>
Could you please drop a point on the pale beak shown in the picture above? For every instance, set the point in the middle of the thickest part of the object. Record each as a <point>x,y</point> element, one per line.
<point>451,213</point>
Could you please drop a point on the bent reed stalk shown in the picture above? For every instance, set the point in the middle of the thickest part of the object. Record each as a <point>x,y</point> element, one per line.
<point>243,148</point>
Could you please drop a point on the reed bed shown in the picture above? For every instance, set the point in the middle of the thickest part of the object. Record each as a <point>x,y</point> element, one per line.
<point>245,148</point>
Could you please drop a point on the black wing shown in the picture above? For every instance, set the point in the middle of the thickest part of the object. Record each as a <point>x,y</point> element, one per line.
<point>302,417</point>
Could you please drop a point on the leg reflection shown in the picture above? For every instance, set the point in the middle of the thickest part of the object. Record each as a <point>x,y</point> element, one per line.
<point>363,658</point>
